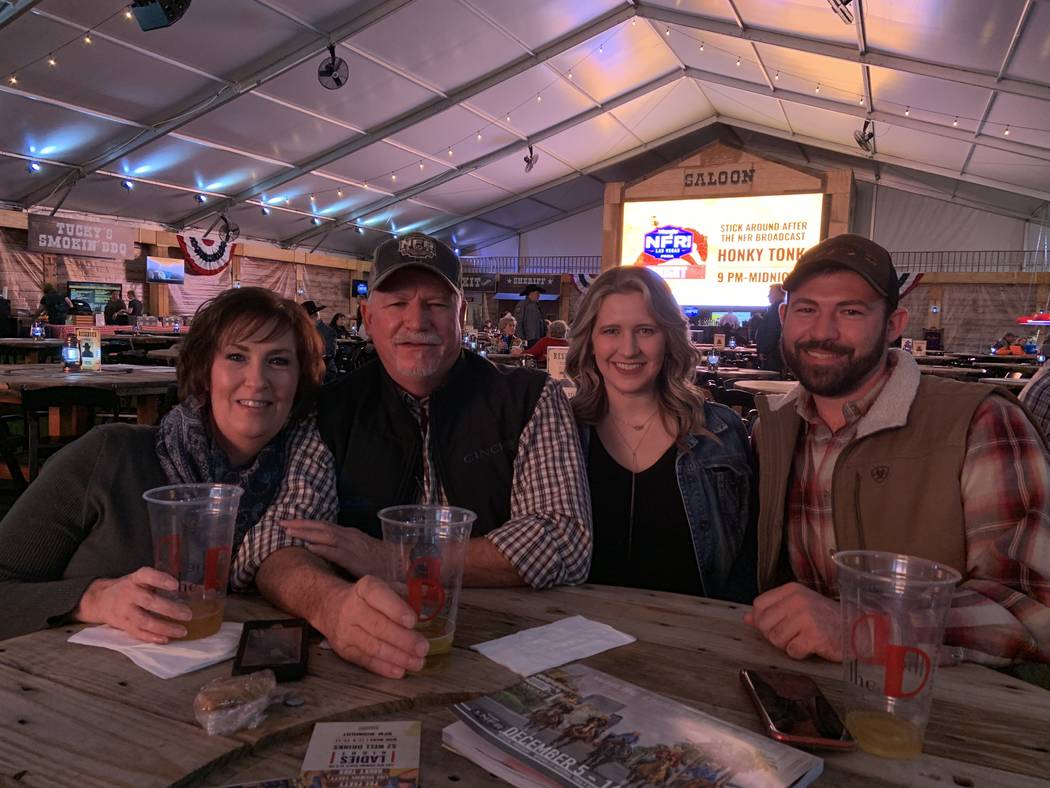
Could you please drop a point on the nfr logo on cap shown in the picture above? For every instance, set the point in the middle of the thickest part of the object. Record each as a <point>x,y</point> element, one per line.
<point>415,250</point>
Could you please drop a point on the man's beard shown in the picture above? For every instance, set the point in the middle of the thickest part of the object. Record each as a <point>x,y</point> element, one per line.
<point>427,366</point>
<point>834,380</point>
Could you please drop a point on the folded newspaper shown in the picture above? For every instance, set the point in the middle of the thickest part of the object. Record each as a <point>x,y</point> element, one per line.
<point>575,726</point>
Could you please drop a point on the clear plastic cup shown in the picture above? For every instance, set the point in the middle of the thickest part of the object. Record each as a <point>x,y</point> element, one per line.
<point>428,550</point>
<point>893,612</point>
<point>192,527</point>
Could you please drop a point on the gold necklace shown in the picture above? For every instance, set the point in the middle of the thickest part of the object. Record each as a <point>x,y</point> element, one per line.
<point>633,469</point>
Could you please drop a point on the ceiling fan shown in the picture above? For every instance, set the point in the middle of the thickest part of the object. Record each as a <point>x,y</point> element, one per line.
<point>865,137</point>
<point>333,72</point>
<point>531,159</point>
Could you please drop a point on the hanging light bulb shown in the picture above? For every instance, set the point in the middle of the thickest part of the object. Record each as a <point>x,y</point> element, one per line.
<point>818,87</point>
<point>861,102</point>
<point>570,75</point>
<point>339,193</point>
<point>1006,132</point>
<point>701,46</point>
<point>777,77</point>
<point>420,164</point>
<point>738,61</point>
<point>51,61</point>
<point>907,112</point>
<point>601,48</point>
<point>13,79</point>
<point>127,14</point>
<point>479,136</point>
<point>667,31</point>
<point>955,122</point>
<point>539,98</point>
<point>87,38</point>
<point>508,119</point>
<point>393,177</point>
<point>450,151</point>
<point>264,211</point>
<point>312,198</point>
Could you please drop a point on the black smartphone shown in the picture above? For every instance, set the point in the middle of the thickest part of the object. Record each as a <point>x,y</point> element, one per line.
<point>279,645</point>
<point>795,711</point>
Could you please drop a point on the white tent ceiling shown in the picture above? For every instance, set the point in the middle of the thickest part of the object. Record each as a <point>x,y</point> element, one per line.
<point>445,96</point>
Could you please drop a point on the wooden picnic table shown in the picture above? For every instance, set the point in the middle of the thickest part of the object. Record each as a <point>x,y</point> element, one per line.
<point>148,385</point>
<point>74,715</point>
<point>736,373</point>
<point>169,355</point>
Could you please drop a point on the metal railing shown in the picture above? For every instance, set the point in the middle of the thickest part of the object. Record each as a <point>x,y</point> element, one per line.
<point>990,261</point>
<point>556,264</point>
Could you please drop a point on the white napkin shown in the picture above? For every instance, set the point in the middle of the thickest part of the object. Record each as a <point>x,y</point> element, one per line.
<point>170,659</point>
<point>541,648</point>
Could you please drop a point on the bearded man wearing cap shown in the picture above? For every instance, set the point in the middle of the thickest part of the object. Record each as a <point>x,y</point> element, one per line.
<point>867,453</point>
<point>430,423</point>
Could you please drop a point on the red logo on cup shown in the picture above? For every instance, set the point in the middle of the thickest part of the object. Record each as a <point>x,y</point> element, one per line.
<point>425,592</point>
<point>875,635</point>
<point>216,567</point>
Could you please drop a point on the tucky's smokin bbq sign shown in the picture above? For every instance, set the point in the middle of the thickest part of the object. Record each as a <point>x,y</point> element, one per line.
<point>699,178</point>
<point>80,239</point>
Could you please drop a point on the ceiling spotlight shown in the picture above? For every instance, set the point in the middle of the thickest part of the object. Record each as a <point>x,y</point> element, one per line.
<point>13,79</point>
<point>265,211</point>
<point>51,61</point>
<point>865,137</point>
<point>456,250</point>
<point>128,15</point>
<point>312,198</point>
<point>33,166</point>
<point>200,198</point>
<point>841,8</point>
<point>129,185</point>
<point>338,192</point>
<point>360,230</point>
<point>87,39</point>
<point>315,221</point>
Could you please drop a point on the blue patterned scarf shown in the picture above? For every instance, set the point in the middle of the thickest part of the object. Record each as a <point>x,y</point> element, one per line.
<point>189,455</point>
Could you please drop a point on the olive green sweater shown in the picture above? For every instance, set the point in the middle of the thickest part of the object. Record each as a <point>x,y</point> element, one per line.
<point>83,518</point>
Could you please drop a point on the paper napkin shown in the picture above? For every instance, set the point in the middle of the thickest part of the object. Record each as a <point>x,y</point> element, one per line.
<point>542,648</point>
<point>170,659</point>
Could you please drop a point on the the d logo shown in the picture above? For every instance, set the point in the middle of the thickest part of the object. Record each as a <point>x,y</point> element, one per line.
<point>880,473</point>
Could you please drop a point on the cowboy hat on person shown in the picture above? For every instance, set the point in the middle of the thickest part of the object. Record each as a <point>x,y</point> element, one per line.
<point>311,308</point>
<point>531,289</point>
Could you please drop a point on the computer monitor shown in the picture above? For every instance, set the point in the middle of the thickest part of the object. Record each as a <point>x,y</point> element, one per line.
<point>359,288</point>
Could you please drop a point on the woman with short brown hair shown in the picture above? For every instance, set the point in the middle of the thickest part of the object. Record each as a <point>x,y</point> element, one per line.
<point>76,546</point>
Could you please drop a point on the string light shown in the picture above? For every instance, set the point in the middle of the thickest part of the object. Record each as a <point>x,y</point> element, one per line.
<point>393,177</point>
<point>51,61</point>
<point>955,122</point>
<point>421,164</point>
<point>265,211</point>
<point>701,46</point>
<point>818,87</point>
<point>861,102</point>
<point>601,48</point>
<point>667,31</point>
<point>128,15</point>
<point>539,97</point>
<point>907,112</point>
<point>316,222</point>
<point>508,119</point>
<point>570,75</point>
<point>1006,132</point>
<point>339,193</point>
<point>13,79</point>
<point>479,136</point>
<point>87,38</point>
<point>738,61</point>
<point>450,151</point>
<point>777,77</point>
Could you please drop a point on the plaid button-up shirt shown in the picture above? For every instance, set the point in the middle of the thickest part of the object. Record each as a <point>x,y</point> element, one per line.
<point>1001,611</point>
<point>547,538</point>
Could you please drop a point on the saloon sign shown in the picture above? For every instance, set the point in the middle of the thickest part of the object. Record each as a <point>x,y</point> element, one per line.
<point>698,178</point>
<point>80,239</point>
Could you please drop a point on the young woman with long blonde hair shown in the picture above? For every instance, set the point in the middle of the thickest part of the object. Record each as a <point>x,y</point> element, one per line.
<point>672,485</point>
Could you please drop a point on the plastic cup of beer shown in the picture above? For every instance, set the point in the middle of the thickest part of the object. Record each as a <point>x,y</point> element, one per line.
<point>192,527</point>
<point>894,609</point>
<point>427,552</point>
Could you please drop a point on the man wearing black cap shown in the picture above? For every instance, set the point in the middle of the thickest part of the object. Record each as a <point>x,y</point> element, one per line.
<point>867,453</point>
<point>431,423</point>
<point>327,336</point>
<point>532,325</point>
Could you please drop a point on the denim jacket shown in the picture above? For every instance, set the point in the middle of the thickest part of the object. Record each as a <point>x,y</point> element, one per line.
<point>716,480</point>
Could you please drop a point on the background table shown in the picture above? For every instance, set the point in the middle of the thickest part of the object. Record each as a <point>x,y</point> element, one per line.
<point>952,372</point>
<point>29,350</point>
<point>765,386</point>
<point>736,373</point>
<point>73,715</point>
<point>148,385</point>
<point>1010,383</point>
<point>168,355</point>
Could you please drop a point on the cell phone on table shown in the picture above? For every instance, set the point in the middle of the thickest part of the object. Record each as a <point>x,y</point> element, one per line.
<point>280,645</point>
<point>795,711</point>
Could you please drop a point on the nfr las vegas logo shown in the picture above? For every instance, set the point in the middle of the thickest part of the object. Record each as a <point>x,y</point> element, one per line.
<point>670,244</point>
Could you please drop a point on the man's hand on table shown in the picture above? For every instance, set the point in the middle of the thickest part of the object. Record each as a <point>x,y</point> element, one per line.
<point>368,624</point>
<point>799,621</point>
<point>132,604</point>
<point>349,548</point>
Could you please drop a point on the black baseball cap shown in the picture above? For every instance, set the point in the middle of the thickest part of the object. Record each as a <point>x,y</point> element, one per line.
<point>415,250</point>
<point>852,253</point>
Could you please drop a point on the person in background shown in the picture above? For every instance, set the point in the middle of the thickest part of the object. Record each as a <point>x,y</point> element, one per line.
<point>531,324</point>
<point>672,486</point>
<point>430,423</point>
<point>729,320</point>
<point>76,545</point>
<point>767,333</point>
<point>1009,345</point>
<point>556,338</point>
<point>868,452</point>
<point>134,305</point>
<point>327,334</point>
<point>340,325</point>
<point>116,311</point>
<point>55,305</point>
<point>507,328</point>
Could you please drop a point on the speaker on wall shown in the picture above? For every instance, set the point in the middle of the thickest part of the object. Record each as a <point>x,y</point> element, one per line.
<point>155,14</point>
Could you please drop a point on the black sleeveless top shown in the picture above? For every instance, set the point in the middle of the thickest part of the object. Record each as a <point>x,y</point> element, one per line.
<point>656,550</point>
